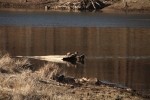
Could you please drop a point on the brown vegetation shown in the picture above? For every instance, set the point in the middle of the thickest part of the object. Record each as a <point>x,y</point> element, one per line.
<point>129,5</point>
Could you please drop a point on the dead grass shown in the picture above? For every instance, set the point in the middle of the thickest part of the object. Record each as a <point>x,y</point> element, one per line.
<point>19,83</point>
<point>9,65</point>
<point>48,71</point>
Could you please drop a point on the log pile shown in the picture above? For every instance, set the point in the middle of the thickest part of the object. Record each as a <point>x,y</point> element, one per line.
<point>78,5</point>
<point>92,4</point>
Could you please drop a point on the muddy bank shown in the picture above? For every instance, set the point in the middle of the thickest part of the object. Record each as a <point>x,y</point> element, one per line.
<point>96,89</point>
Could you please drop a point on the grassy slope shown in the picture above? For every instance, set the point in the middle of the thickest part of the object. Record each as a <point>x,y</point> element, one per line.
<point>132,5</point>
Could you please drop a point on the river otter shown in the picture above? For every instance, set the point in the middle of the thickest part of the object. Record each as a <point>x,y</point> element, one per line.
<point>80,58</point>
<point>73,57</point>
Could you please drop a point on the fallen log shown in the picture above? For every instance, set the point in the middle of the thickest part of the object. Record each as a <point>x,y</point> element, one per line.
<point>50,58</point>
<point>72,58</point>
<point>92,5</point>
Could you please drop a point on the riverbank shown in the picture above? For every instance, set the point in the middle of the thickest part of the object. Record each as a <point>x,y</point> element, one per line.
<point>139,6</point>
<point>76,5</point>
<point>22,78</point>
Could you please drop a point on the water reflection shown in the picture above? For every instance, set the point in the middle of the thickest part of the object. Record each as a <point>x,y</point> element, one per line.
<point>119,55</point>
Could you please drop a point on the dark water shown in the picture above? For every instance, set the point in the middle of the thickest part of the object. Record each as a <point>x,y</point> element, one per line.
<point>62,19</point>
<point>114,52</point>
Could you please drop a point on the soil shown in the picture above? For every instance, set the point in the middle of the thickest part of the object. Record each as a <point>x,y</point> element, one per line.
<point>87,89</point>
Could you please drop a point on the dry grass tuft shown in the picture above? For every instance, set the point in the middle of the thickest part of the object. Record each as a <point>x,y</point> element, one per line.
<point>18,83</point>
<point>48,71</point>
<point>10,65</point>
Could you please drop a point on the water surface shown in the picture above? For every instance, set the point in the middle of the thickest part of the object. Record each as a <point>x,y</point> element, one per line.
<point>118,55</point>
<point>64,19</point>
<point>116,45</point>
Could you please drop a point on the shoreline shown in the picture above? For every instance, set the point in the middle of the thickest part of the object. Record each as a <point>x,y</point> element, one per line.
<point>104,11</point>
<point>113,8</point>
<point>23,80</point>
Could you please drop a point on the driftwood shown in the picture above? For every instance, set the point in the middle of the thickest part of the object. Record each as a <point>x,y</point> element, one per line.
<point>65,6</point>
<point>73,58</point>
<point>92,4</point>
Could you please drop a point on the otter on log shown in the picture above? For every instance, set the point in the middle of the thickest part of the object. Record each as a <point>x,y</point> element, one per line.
<point>74,57</point>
